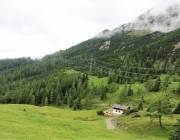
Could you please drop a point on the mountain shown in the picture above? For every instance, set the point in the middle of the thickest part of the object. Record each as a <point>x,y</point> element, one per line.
<point>149,28</point>
<point>165,20</point>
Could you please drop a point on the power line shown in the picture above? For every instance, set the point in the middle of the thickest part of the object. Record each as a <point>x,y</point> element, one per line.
<point>127,72</point>
<point>145,68</point>
<point>138,73</point>
<point>136,78</point>
<point>142,79</point>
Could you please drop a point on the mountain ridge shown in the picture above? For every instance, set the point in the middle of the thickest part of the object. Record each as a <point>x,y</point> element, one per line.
<point>165,21</point>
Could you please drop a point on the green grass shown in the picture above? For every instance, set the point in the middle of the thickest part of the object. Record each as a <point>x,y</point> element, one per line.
<point>134,100</point>
<point>71,71</point>
<point>143,127</point>
<point>53,123</point>
<point>95,81</point>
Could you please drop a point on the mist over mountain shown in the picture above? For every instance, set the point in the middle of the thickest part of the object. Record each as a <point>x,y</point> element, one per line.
<point>163,19</point>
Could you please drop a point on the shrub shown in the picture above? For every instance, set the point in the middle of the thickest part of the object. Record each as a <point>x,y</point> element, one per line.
<point>129,111</point>
<point>100,112</point>
<point>176,134</point>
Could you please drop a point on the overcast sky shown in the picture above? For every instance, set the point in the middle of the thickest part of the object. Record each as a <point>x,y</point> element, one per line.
<point>38,27</point>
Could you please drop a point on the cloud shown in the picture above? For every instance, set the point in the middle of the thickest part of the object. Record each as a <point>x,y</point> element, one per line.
<point>38,27</point>
<point>112,13</point>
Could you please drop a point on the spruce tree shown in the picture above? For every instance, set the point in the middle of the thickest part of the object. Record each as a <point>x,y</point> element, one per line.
<point>178,89</point>
<point>140,105</point>
<point>32,100</point>
<point>88,100</point>
<point>157,84</point>
<point>52,97</point>
<point>130,91</point>
<point>149,85</point>
<point>46,101</point>
<point>58,99</point>
<point>166,81</point>
<point>177,110</point>
<point>70,101</point>
<point>123,93</point>
<point>139,91</point>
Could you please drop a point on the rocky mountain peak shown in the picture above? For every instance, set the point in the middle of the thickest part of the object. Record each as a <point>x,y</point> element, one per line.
<point>164,19</point>
<point>104,33</point>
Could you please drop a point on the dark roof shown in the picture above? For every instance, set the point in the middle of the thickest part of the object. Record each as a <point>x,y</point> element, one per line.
<point>118,106</point>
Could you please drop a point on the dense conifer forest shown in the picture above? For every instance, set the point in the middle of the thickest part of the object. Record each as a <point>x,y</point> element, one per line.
<point>130,58</point>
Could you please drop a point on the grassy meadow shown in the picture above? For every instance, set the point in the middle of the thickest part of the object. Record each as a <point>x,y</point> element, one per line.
<point>53,123</point>
<point>33,122</point>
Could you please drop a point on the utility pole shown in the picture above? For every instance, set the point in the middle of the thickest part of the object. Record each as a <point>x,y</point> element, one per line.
<point>90,66</point>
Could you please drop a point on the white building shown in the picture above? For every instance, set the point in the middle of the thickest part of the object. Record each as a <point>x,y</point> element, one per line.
<point>118,109</point>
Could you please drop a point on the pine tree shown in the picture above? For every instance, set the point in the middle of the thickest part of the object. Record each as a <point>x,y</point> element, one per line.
<point>46,101</point>
<point>178,89</point>
<point>149,85</point>
<point>58,100</point>
<point>77,104</point>
<point>88,100</point>
<point>37,98</point>
<point>65,98</point>
<point>70,101</point>
<point>32,100</point>
<point>52,97</point>
<point>177,110</point>
<point>123,93</point>
<point>166,81</point>
<point>140,105</point>
<point>103,92</point>
<point>157,84</point>
<point>130,91</point>
<point>139,91</point>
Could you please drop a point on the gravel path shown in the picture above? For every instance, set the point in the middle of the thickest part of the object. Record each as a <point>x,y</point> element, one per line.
<point>109,123</point>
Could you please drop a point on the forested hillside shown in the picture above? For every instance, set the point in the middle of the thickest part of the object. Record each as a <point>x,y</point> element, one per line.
<point>125,49</point>
<point>126,57</point>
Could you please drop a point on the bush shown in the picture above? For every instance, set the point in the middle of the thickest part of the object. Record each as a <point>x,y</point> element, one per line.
<point>100,112</point>
<point>136,116</point>
<point>129,111</point>
<point>176,134</point>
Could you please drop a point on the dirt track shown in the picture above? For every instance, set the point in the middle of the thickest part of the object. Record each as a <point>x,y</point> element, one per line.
<point>109,123</point>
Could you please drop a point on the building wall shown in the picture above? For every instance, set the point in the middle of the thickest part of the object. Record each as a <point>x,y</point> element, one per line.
<point>116,111</point>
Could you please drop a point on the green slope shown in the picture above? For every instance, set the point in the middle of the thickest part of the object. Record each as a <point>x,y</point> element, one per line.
<point>53,123</point>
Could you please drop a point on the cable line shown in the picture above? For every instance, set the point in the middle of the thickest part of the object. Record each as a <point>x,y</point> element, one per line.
<point>145,68</point>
